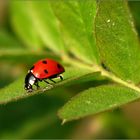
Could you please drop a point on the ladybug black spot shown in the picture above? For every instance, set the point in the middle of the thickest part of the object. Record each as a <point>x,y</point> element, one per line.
<point>59,67</point>
<point>46,71</point>
<point>32,67</point>
<point>44,62</point>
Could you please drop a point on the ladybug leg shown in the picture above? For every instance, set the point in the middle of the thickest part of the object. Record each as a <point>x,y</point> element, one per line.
<point>50,85</point>
<point>36,84</point>
<point>61,77</point>
<point>46,82</point>
<point>52,80</point>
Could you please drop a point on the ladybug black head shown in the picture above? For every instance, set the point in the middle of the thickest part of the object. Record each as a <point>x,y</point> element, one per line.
<point>28,87</point>
<point>29,81</point>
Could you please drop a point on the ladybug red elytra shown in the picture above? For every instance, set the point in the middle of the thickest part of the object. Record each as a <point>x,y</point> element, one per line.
<point>42,70</point>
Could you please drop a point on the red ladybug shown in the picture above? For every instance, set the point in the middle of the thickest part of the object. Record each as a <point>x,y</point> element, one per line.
<point>42,70</point>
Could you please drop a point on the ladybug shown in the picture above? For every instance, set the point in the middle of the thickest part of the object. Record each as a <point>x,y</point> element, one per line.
<point>41,71</point>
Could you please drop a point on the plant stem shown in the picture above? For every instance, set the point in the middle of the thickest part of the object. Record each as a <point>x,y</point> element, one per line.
<point>97,68</point>
<point>117,79</point>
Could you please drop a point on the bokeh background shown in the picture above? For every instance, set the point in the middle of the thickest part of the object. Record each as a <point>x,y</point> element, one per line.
<point>36,116</point>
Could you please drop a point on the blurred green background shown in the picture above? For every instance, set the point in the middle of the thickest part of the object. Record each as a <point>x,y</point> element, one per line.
<point>36,116</point>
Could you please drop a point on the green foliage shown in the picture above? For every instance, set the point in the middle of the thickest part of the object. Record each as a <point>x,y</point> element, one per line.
<point>95,100</point>
<point>46,28</point>
<point>95,41</point>
<point>6,40</point>
<point>23,26</point>
<point>120,41</point>
<point>76,21</point>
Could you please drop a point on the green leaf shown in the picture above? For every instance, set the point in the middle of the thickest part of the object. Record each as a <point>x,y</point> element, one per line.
<point>135,10</point>
<point>7,40</point>
<point>46,25</point>
<point>16,91</point>
<point>95,100</point>
<point>117,40</point>
<point>23,25</point>
<point>76,19</point>
<point>19,55</point>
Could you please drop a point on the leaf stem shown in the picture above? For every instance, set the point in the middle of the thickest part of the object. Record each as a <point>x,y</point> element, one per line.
<point>117,79</point>
<point>97,68</point>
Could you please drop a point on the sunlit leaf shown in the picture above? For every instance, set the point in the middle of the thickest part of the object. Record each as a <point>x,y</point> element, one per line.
<point>76,19</point>
<point>23,26</point>
<point>46,25</point>
<point>117,39</point>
